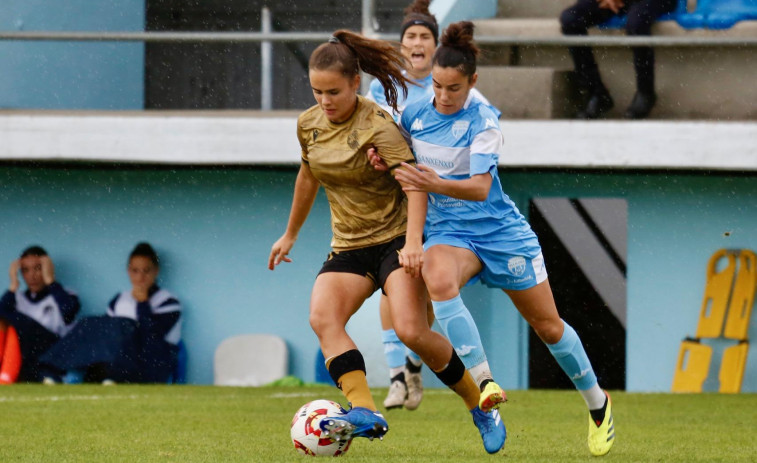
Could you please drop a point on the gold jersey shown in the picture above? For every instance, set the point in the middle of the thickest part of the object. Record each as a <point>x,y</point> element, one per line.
<point>368,207</point>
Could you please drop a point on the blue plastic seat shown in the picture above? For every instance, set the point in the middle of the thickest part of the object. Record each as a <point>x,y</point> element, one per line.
<point>619,21</point>
<point>720,14</point>
<point>179,375</point>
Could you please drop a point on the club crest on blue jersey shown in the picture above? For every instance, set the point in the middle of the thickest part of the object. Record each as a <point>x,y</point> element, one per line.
<point>517,265</point>
<point>459,128</point>
<point>417,125</point>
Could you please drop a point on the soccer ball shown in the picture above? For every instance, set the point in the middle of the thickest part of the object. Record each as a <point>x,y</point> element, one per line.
<point>306,431</point>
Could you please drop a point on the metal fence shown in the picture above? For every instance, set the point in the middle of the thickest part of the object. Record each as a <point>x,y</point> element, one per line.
<point>266,38</point>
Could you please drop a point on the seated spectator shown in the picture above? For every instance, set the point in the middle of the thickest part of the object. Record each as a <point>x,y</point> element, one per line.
<point>135,342</point>
<point>641,14</point>
<point>32,321</point>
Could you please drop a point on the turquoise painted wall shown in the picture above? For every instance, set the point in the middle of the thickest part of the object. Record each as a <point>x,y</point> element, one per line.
<point>214,228</point>
<point>72,75</point>
<point>675,223</point>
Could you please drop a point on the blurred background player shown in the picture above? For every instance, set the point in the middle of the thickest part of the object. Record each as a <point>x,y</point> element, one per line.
<point>377,231</point>
<point>473,230</point>
<point>419,38</point>
<point>33,320</point>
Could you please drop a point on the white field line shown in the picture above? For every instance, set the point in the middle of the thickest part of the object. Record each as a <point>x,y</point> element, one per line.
<point>64,398</point>
<point>287,395</point>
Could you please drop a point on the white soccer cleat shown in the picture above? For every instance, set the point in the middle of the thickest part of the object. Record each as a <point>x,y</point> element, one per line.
<point>396,396</point>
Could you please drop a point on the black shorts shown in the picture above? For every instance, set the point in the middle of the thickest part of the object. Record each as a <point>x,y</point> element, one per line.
<point>374,262</point>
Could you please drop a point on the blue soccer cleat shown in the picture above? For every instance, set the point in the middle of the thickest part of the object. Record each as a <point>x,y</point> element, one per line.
<point>358,422</point>
<point>492,429</point>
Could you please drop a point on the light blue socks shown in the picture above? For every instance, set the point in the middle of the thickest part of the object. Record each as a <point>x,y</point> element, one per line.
<point>572,358</point>
<point>457,324</point>
<point>394,350</point>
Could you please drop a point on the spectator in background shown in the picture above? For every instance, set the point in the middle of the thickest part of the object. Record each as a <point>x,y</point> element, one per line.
<point>32,321</point>
<point>641,15</point>
<point>136,342</point>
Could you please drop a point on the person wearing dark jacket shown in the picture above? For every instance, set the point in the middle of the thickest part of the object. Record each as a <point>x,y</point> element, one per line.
<point>641,14</point>
<point>135,342</point>
<point>34,319</point>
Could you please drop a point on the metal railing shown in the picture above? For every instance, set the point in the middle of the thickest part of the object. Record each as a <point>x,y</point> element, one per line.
<point>266,38</point>
<point>242,37</point>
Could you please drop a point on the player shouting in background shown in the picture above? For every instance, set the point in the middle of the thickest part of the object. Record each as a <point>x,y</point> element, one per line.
<point>419,37</point>
<point>376,230</point>
<point>473,230</point>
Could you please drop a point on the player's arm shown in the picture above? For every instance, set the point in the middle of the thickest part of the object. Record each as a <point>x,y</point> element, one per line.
<point>485,149</point>
<point>305,189</point>
<point>424,178</point>
<point>68,302</point>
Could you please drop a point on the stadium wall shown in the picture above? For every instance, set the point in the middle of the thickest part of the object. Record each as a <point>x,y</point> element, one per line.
<point>212,193</point>
<point>68,75</point>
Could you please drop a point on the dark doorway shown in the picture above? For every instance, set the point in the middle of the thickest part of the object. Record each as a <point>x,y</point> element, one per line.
<point>584,246</point>
<point>226,75</point>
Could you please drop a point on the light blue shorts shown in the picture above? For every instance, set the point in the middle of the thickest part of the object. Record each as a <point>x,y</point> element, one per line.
<point>507,264</point>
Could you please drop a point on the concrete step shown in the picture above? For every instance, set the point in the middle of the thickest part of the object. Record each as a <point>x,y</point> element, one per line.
<point>529,92</point>
<point>707,82</point>
<point>532,8</point>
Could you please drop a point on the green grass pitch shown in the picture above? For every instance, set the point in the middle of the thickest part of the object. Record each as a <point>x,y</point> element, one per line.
<point>93,423</point>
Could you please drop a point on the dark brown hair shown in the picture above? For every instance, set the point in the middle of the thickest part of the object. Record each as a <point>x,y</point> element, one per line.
<point>348,53</point>
<point>458,49</point>
<point>35,250</point>
<point>145,250</point>
<point>418,14</point>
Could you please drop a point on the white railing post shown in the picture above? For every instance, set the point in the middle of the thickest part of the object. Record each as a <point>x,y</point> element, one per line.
<point>266,62</point>
<point>368,13</point>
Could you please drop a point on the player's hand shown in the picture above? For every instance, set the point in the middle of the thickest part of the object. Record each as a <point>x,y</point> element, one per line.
<point>376,160</point>
<point>13,274</point>
<point>139,293</point>
<point>279,251</point>
<point>612,5</point>
<point>48,270</point>
<point>411,258</point>
<point>418,178</point>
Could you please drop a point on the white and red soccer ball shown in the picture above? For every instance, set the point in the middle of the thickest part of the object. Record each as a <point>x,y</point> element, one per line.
<point>306,430</point>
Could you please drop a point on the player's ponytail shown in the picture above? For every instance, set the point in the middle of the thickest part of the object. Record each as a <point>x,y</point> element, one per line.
<point>349,53</point>
<point>458,49</point>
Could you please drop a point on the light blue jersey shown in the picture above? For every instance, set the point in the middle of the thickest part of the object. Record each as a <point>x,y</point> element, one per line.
<point>420,92</point>
<point>457,147</point>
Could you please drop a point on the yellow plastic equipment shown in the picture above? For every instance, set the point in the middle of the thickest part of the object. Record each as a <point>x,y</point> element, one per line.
<point>692,366</point>
<point>731,289</point>
<point>717,289</point>
<point>732,368</point>
<point>742,298</point>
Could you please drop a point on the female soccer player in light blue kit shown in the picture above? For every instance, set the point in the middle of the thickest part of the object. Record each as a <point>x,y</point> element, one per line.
<point>473,230</point>
<point>419,37</point>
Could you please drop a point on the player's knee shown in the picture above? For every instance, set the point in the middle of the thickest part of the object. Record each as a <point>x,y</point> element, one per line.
<point>409,334</point>
<point>320,322</point>
<point>440,286</point>
<point>549,330</point>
